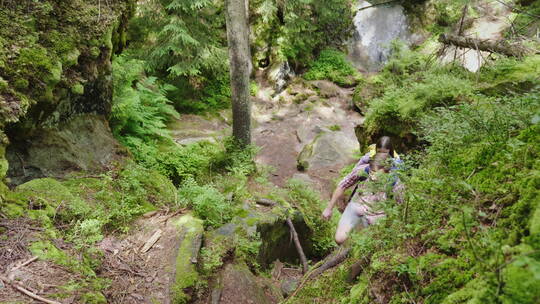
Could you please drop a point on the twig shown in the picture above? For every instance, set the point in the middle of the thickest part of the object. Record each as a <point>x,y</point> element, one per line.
<point>303,259</point>
<point>24,264</point>
<point>333,261</point>
<point>26,291</point>
<point>460,31</point>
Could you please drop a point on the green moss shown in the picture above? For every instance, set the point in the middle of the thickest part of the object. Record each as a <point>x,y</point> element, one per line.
<point>51,191</point>
<point>71,57</point>
<point>94,298</point>
<point>77,89</point>
<point>95,52</point>
<point>47,251</point>
<point>4,165</point>
<point>186,274</point>
<point>20,84</point>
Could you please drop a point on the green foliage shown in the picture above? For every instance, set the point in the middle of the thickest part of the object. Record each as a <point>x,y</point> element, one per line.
<point>308,202</point>
<point>140,108</point>
<point>188,41</point>
<point>183,43</point>
<point>333,66</point>
<point>207,203</point>
<point>467,212</point>
<point>311,26</point>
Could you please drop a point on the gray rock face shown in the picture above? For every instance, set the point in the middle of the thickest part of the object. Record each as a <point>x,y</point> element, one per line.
<point>376,27</point>
<point>239,286</point>
<point>85,143</point>
<point>288,286</point>
<point>279,74</point>
<point>328,149</point>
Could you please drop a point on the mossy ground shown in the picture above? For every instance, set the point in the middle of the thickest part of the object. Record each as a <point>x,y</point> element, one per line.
<point>80,210</point>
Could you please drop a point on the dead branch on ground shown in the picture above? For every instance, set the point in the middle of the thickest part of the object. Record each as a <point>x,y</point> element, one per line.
<point>298,246</point>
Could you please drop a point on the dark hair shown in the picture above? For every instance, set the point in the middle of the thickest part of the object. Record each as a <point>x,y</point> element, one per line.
<point>385,143</point>
<point>384,150</point>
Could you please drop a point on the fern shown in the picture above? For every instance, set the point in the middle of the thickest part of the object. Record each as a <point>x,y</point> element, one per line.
<point>141,111</point>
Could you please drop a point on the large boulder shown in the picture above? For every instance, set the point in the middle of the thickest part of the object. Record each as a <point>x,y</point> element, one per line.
<point>58,65</point>
<point>237,285</point>
<point>85,143</point>
<point>329,149</point>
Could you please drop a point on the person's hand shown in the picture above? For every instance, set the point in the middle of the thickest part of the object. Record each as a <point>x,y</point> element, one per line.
<point>326,214</point>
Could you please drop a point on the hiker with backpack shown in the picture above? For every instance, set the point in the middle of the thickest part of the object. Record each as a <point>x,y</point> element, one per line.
<point>362,206</point>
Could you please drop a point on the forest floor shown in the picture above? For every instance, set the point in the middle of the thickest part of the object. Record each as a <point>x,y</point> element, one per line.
<point>283,125</point>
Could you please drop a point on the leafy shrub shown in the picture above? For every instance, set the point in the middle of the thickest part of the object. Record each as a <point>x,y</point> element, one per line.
<point>333,66</point>
<point>300,195</point>
<point>207,202</point>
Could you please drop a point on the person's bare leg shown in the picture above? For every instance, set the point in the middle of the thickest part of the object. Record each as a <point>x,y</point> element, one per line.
<point>349,219</point>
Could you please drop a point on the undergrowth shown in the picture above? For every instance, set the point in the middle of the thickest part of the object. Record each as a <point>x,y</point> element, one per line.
<point>332,65</point>
<point>467,231</point>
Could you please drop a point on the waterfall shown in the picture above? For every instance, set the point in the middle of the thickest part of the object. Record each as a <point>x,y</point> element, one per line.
<point>375,28</point>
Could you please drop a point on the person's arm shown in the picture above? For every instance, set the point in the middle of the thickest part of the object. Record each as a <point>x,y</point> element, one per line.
<point>347,182</point>
<point>337,195</point>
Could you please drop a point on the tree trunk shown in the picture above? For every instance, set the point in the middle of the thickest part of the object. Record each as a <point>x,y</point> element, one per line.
<point>240,63</point>
<point>501,47</point>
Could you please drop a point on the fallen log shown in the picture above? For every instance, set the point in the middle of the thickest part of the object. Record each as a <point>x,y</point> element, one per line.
<point>500,47</point>
<point>335,260</point>
<point>151,241</point>
<point>298,246</point>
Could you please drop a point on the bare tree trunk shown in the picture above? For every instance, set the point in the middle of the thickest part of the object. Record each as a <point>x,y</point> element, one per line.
<point>240,63</point>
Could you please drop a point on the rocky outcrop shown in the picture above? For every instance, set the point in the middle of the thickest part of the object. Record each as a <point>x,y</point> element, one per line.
<point>328,149</point>
<point>237,285</point>
<point>83,143</point>
<point>55,64</point>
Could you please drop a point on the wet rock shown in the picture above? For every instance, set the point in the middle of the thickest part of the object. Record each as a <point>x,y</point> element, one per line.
<point>274,234</point>
<point>240,286</point>
<point>375,28</point>
<point>327,89</point>
<point>328,149</point>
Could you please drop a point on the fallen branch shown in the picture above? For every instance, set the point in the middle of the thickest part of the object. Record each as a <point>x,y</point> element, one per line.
<point>375,5</point>
<point>265,202</point>
<point>24,264</point>
<point>298,246</point>
<point>501,47</point>
<point>25,291</point>
<point>334,260</point>
<point>151,241</point>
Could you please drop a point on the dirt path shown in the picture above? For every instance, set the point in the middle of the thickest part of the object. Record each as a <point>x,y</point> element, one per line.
<point>287,122</point>
<point>283,124</point>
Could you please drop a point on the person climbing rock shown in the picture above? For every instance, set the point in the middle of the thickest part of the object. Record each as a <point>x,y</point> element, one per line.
<point>362,207</point>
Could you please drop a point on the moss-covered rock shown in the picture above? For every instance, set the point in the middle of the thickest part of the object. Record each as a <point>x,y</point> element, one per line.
<point>186,275</point>
<point>83,143</point>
